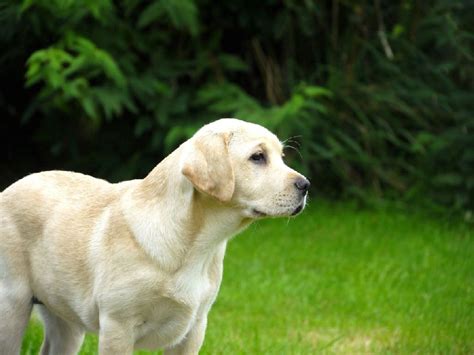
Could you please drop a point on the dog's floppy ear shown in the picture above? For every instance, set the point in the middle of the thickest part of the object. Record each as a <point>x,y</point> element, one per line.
<point>207,165</point>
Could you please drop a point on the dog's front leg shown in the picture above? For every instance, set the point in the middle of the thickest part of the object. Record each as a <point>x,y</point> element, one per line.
<point>192,342</point>
<point>115,337</point>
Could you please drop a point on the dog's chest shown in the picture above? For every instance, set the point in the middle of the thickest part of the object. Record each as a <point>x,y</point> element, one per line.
<point>165,326</point>
<point>187,298</point>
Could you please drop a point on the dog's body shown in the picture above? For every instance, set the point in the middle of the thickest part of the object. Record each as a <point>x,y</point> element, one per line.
<point>139,262</point>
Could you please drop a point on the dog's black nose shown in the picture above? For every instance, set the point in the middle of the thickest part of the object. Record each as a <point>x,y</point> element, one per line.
<point>302,184</point>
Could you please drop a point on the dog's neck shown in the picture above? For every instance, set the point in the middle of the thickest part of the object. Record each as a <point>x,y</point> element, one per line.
<point>174,223</point>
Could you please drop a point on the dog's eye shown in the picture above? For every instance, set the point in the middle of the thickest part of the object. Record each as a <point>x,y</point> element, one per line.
<point>258,158</point>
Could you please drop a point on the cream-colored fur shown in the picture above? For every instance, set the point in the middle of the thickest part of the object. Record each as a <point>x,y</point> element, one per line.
<point>138,262</point>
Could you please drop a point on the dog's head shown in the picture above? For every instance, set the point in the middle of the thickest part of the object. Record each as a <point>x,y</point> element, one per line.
<point>241,164</point>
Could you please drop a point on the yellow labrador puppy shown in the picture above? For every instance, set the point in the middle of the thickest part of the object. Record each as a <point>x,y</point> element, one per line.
<point>138,262</point>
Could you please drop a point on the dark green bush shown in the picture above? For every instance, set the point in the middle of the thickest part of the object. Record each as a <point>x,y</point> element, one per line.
<point>377,96</point>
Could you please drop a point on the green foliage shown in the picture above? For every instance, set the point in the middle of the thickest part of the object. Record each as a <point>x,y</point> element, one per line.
<point>181,13</point>
<point>376,96</point>
<point>66,71</point>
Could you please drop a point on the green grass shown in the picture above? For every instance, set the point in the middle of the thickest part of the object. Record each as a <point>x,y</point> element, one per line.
<point>340,280</point>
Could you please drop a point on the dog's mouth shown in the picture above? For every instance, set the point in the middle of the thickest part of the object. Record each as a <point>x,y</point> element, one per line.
<point>297,210</point>
<point>290,210</point>
<point>258,213</point>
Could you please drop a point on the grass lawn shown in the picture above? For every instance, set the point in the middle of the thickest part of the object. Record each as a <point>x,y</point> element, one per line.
<point>340,280</point>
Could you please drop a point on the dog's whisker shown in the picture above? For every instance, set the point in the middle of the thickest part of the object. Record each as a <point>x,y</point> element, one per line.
<point>293,140</point>
<point>295,149</point>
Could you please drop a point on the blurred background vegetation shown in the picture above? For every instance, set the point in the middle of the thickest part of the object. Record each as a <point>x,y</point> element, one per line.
<point>377,96</point>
